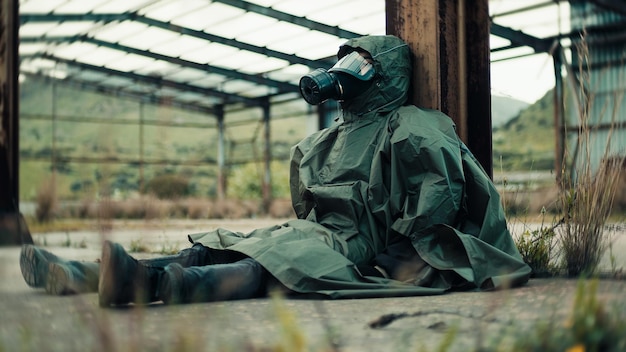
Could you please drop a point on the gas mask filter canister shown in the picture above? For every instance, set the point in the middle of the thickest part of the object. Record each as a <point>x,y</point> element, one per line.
<point>349,77</point>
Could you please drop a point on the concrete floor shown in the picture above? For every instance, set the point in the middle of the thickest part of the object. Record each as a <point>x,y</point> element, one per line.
<point>32,320</point>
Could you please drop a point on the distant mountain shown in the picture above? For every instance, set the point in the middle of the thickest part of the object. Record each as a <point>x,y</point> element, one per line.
<point>526,142</point>
<point>504,109</point>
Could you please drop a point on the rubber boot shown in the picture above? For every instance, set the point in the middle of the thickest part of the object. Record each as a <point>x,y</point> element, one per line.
<point>72,277</point>
<point>43,269</point>
<point>34,265</point>
<point>241,280</point>
<point>124,279</point>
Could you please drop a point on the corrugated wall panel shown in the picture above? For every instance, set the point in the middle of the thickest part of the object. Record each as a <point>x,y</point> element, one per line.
<point>606,84</point>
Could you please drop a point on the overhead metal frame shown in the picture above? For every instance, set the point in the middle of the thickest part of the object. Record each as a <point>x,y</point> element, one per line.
<point>281,86</point>
<point>228,98</point>
<point>516,37</point>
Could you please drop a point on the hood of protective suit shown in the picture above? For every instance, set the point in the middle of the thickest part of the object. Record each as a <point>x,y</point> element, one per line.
<point>392,61</point>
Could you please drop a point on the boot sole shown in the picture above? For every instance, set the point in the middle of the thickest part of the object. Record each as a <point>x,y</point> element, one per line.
<point>59,281</point>
<point>34,266</point>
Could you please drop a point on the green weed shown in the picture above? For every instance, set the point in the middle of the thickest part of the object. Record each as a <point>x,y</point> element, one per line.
<point>538,247</point>
<point>68,241</point>
<point>168,248</point>
<point>137,246</point>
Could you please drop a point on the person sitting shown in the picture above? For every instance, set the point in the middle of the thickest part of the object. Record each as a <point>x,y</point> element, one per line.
<point>389,202</point>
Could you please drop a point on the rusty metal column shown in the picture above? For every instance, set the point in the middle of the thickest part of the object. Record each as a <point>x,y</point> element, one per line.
<point>478,80</point>
<point>449,41</point>
<point>221,151</point>
<point>142,183</point>
<point>267,158</point>
<point>559,120</point>
<point>13,228</point>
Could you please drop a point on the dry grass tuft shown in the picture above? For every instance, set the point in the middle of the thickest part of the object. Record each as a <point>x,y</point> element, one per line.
<point>46,200</point>
<point>587,193</point>
<point>588,203</point>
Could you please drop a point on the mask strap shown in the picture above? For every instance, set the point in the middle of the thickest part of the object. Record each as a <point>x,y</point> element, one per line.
<point>388,50</point>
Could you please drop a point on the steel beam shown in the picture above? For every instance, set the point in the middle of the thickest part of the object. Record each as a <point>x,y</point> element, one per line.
<point>281,86</point>
<point>157,81</point>
<point>114,92</point>
<point>134,16</point>
<point>286,17</point>
<point>519,38</point>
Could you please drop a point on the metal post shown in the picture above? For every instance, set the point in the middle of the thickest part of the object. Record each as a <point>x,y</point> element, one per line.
<point>142,106</point>
<point>53,134</point>
<point>221,150</point>
<point>559,119</point>
<point>13,228</point>
<point>449,41</point>
<point>478,82</point>
<point>267,158</point>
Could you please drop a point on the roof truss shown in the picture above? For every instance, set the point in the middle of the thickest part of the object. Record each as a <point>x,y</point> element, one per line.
<point>273,86</point>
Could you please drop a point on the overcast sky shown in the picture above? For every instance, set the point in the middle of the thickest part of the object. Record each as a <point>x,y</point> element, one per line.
<point>527,78</point>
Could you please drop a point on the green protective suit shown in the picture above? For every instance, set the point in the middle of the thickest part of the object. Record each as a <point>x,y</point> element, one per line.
<point>388,183</point>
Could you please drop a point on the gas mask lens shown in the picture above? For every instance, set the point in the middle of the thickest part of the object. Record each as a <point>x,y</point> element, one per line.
<point>349,77</point>
<point>355,65</point>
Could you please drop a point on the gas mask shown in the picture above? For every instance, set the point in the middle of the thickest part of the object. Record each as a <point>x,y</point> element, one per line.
<point>349,77</point>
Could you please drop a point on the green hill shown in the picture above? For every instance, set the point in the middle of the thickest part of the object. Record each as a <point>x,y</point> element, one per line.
<point>527,142</point>
<point>503,109</point>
